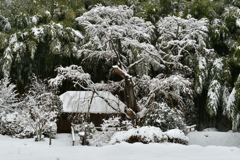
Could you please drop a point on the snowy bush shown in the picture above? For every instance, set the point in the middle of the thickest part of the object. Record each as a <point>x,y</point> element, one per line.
<point>176,136</point>
<point>108,127</point>
<point>42,113</point>
<point>145,134</point>
<point>126,125</point>
<point>8,106</point>
<point>164,117</point>
<point>85,132</point>
<point>40,109</point>
<point>10,124</point>
<point>149,134</point>
<point>14,124</point>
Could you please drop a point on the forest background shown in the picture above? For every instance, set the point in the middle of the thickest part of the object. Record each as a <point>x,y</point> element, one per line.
<point>182,55</point>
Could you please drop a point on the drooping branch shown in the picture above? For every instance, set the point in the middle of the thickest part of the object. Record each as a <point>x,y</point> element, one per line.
<point>134,64</point>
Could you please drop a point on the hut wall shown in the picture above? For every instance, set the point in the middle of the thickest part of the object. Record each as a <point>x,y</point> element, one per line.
<point>64,123</point>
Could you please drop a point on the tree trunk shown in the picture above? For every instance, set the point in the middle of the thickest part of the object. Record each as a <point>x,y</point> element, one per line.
<point>130,97</point>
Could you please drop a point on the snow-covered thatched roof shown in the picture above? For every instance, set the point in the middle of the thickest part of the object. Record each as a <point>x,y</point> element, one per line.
<point>103,102</point>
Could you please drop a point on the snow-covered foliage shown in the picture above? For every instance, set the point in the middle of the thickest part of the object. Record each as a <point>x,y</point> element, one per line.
<point>38,110</point>
<point>108,127</point>
<point>219,30</point>
<point>164,117</point>
<point>213,97</point>
<point>182,33</point>
<point>176,86</point>
<point>232,109</point>
<point>219,87</point>
<point>8,103</point>
<point>41,109</point>
<point>13,124</point>
<point>149,134</point>
<point>232,17</point>
<point>177,136</point>
<point>23,43</point>
<point>144,134</point>
<point>202,73</point>
<point>182,37</point>
<point>106,26</point>
<point>174,90</point>
<point>4,24</point>
<point>73,73</point>
<point>8,96</point>
<point>85,132</point>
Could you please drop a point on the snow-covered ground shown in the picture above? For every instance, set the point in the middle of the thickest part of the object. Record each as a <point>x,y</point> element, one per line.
<point>219,146</point>
<point>210,137</point>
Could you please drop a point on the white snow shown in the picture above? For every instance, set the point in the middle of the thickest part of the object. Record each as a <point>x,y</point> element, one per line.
<point>78,101</point>
<point>218,146</point>
<point>146,133</point>
<point>34,20</point>
<point>176,133</point>
<point>122,71</point>
<point>212,137</point>
<point>230,104</point>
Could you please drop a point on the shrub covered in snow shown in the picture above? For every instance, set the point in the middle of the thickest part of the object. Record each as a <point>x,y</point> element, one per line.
<point>143,134</point>
<point>41,108</point>
<point>35,115</point>
<point>149,134</point>
<point>108,127</point>
<point>162,116</point>
<point>12,125</point>
<point>8,105</point>
<point>85,132</point>
<point>177,136</point>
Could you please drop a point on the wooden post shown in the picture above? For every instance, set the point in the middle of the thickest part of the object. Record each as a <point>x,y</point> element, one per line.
<point>73,136</point>
<point>85,136</point>
<point>50,135</point>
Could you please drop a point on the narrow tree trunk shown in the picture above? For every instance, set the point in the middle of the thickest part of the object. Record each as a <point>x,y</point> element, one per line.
<point>89,107</point>
<point>130,96</point>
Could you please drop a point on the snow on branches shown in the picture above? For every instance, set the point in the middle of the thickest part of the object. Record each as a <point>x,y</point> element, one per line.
<point>178,34</point>
<point>8,96</point>
<point>4,24</point>
<point>180,38</point>
<point>173,85</point>
<point>202,73</point>
<point>56,35</point>
<point>73,73</point>
<point>115,22</point>
<point>42,108</point>
<point>114,29</point>
<point>213,97</point>
<point>232,109</point>
<point>175,88</point>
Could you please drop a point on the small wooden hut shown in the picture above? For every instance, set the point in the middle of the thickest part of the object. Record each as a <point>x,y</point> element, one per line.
<point>75,103</point>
